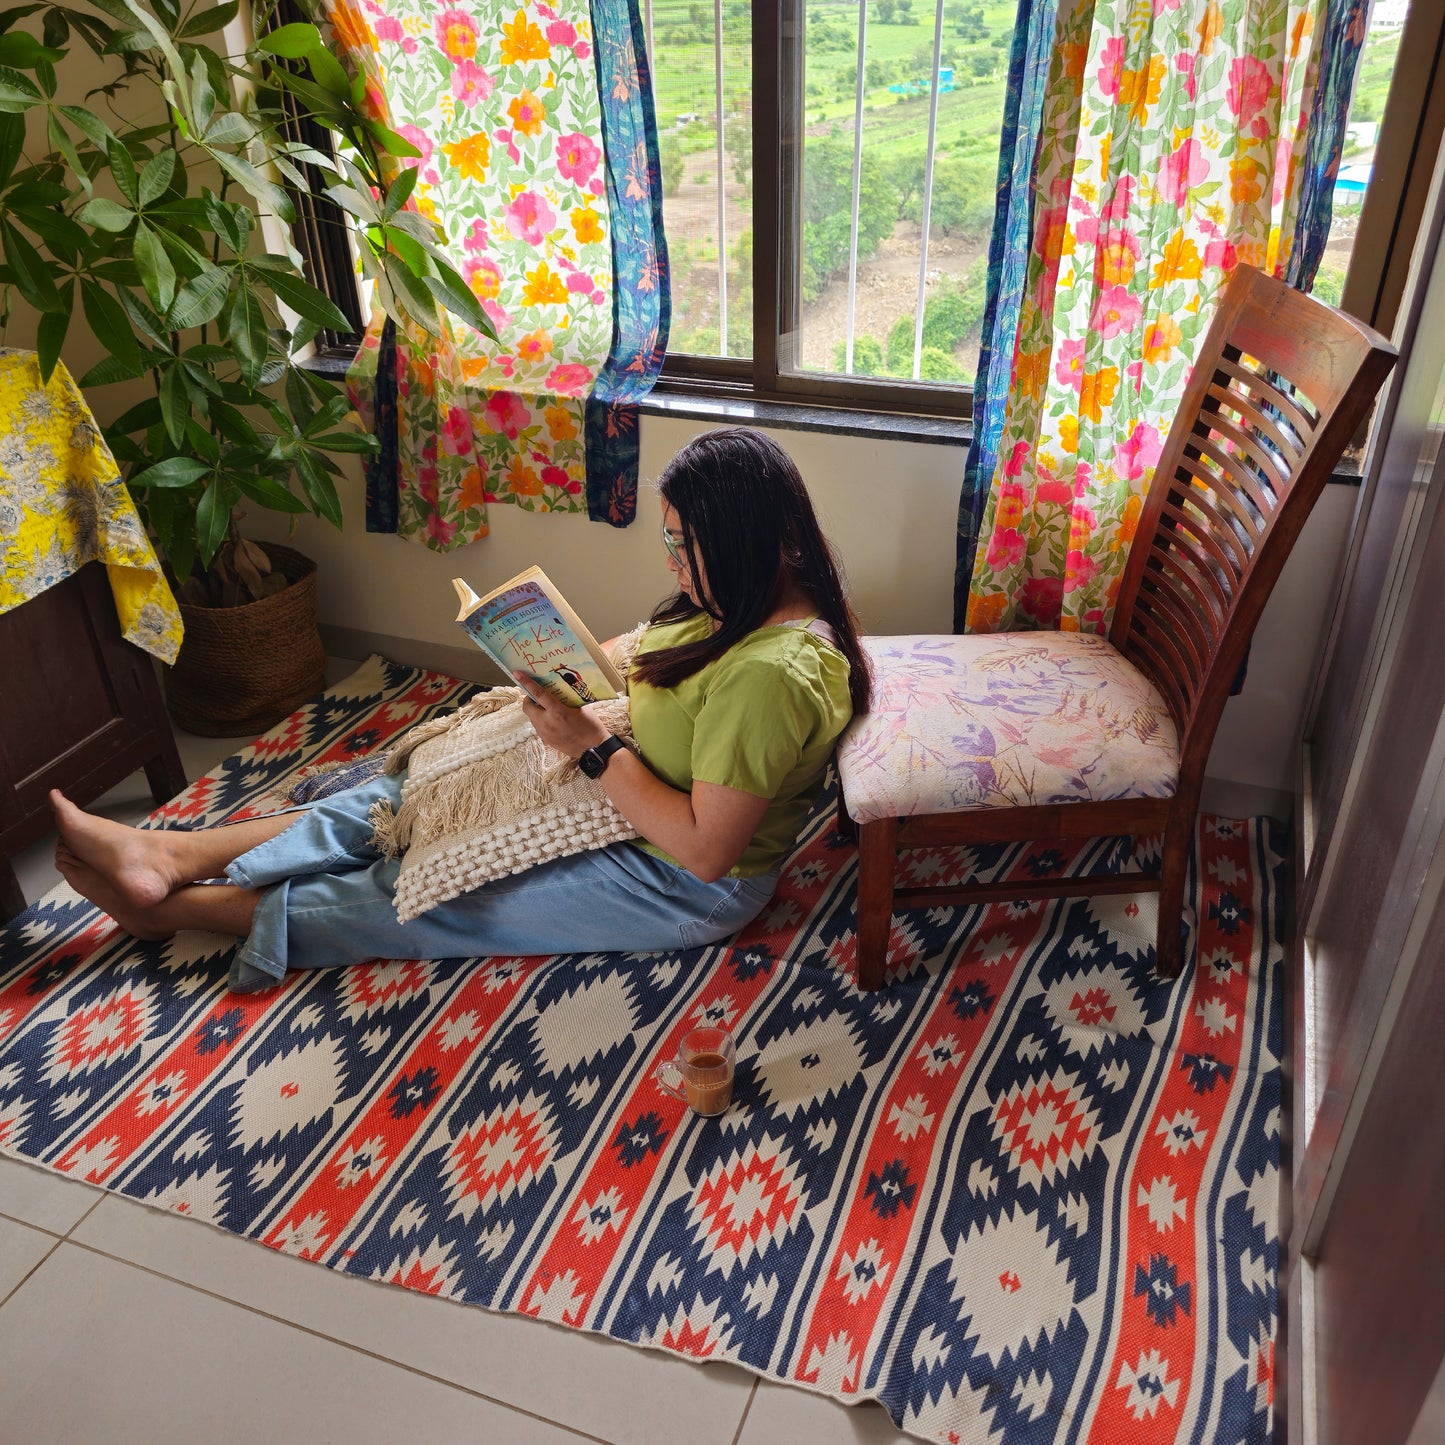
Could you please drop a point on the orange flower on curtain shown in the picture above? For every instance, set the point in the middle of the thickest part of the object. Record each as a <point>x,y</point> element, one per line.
<point>1170,152</point>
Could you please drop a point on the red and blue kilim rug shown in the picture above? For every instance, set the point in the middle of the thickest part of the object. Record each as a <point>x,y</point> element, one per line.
<point>1025,1194</point>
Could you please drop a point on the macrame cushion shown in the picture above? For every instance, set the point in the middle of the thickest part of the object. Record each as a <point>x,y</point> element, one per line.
<point>1004,720</point>
<point>488,798</point>
<point>485,797</point>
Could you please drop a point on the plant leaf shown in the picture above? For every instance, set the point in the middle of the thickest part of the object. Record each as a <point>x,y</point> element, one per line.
<point>213,520</point>
<point>267,192</point>
<point>144,319</point>
<point>49,338</point>
<point>172,472</point>
<point>347,441</point>
<point>17,92</point>
<point>200,300</point>
<point>94,129</point>
<point>459,298</point>
<point>249,335</point>
<point>157,274</point>
<point>105,214</point>
<point>399,192</point>
<point>207,22</point>
<point>411,294</point>
<point>32,275</point>
<point>175,398</point>
<point>291,42</point>
<point>326,68</point>
<point>122,168</point>
<point>12,141</point>
<point>155,179</point>
<point>203,95</point>
<point>18,48</point>
<point>107,372</point>
<point>108,323</point>
<point>269,492</point>
<point>319,487</point>
<point>230,128</point>
<point>303,298</point>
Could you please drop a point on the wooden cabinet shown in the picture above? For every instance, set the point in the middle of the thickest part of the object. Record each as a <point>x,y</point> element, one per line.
<point>80,710</point>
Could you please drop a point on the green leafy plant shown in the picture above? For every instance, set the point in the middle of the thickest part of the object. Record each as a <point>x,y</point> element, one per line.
<point>152,230</point>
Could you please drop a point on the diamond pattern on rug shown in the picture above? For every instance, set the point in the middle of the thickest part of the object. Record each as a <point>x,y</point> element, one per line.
<point>1026,1194</point>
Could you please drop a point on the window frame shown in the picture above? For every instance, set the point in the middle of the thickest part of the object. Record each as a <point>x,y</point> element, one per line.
<point>778,45</point>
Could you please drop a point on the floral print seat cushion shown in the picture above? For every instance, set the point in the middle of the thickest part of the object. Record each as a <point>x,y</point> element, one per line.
<point>1012,719</point>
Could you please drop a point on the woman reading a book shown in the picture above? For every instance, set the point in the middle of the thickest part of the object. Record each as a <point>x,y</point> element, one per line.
<point>738,692</point>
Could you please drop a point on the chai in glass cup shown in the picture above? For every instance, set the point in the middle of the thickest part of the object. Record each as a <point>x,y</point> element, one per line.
<point>705,1062</point>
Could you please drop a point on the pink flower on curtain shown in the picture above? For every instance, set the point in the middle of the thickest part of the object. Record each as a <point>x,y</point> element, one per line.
<point>569,379</point>
<point>529,218</point>
<point>456,35</point>
<point>1042,598</point>
<point>1138,452</point>
<point>470,83</point>
<point>1015,463</point>
<point>440,530</point>
<point>457,432</point>
<point>1223,255</point>
<point>1119,201</point>
<point>562,32</point>
<point>1116,310</point>
<point>390,30</point>
<point>1051,489</point>
<point>1005,547</point>
<point>1185,65</point>
<point>476,238</point>
<point>1184,167</point>
<point>507,413</point>
<point>577,157</point>
<point>423,143</point>
<point>1249,88</point>
<point>1070,366</point>
<point>1111,66</point>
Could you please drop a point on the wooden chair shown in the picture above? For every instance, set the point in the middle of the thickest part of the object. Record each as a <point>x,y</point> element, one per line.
<point>1039,736</point>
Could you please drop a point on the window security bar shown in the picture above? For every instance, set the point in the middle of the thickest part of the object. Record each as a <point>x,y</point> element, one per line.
<point>928,188</point>
<point>857,187</point>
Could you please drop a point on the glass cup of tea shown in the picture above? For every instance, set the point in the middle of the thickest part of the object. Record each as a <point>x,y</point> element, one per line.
<point>706,1059</point>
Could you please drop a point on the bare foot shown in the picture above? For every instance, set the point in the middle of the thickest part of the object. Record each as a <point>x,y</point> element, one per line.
<point>131,862</point>
<point>93,886</point>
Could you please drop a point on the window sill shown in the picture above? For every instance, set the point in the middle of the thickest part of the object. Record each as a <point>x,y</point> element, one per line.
<point>794,416</point>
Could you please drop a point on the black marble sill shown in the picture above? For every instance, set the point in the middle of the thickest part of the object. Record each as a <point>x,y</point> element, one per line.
<point>794,416</point>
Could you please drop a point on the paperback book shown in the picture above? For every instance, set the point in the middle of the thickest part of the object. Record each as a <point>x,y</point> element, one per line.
<point>526,626</point>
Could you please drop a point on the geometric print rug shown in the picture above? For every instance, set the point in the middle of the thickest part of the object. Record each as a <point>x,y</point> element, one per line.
<point>1027,1193</point>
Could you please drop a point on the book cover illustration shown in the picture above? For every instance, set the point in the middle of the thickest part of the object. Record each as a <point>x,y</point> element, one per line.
<point>526,626</point>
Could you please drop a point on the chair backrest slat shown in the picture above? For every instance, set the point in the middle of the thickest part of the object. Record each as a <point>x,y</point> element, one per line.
<point>1280,385</point>
<point>1212,507</point>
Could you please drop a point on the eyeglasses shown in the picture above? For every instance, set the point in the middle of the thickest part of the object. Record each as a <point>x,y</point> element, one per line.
<point>674,547</point>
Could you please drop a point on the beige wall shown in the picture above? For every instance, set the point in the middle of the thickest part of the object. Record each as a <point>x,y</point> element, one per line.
<point>889,508</point>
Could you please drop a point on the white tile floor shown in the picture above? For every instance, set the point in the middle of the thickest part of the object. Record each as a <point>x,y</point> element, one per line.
<point>120,1323</point>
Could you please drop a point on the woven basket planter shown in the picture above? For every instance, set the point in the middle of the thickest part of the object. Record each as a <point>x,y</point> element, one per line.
<point>242,669</point>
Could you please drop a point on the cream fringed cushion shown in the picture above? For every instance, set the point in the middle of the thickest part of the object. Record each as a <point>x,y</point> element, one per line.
<point>485,797</point>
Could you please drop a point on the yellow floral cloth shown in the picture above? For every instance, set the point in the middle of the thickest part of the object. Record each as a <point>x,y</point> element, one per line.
<point>63,504</point>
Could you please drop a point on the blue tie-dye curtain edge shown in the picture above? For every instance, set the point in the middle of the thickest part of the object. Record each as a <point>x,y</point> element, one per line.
<point>641,299</point>
<point>1344,37</point>
<point>1008,255</point>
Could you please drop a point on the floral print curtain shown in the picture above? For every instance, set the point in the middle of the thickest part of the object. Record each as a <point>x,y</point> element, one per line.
<point>539,157</point>
<point>1171,150</point>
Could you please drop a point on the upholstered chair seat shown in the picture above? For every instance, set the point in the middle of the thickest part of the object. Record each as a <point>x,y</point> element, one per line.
<point>1011,720</point>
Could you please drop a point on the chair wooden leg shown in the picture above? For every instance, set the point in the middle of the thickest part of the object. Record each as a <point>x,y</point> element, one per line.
<point>877,859</point>
<point>843,822</point>
<point>1174,869</point>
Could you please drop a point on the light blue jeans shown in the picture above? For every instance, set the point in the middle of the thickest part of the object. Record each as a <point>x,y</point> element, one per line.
<point>327,899</point>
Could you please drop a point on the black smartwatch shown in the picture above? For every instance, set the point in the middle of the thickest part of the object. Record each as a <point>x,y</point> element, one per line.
<point>594,761</point>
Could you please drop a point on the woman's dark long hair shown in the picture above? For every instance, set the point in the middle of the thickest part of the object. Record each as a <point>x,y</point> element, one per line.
<point>747,517</point>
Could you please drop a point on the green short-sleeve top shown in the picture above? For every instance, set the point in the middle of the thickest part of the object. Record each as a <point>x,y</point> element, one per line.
<point>763,719</point>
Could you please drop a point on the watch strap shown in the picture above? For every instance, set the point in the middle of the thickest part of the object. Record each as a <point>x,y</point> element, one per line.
<point>598,756</point>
